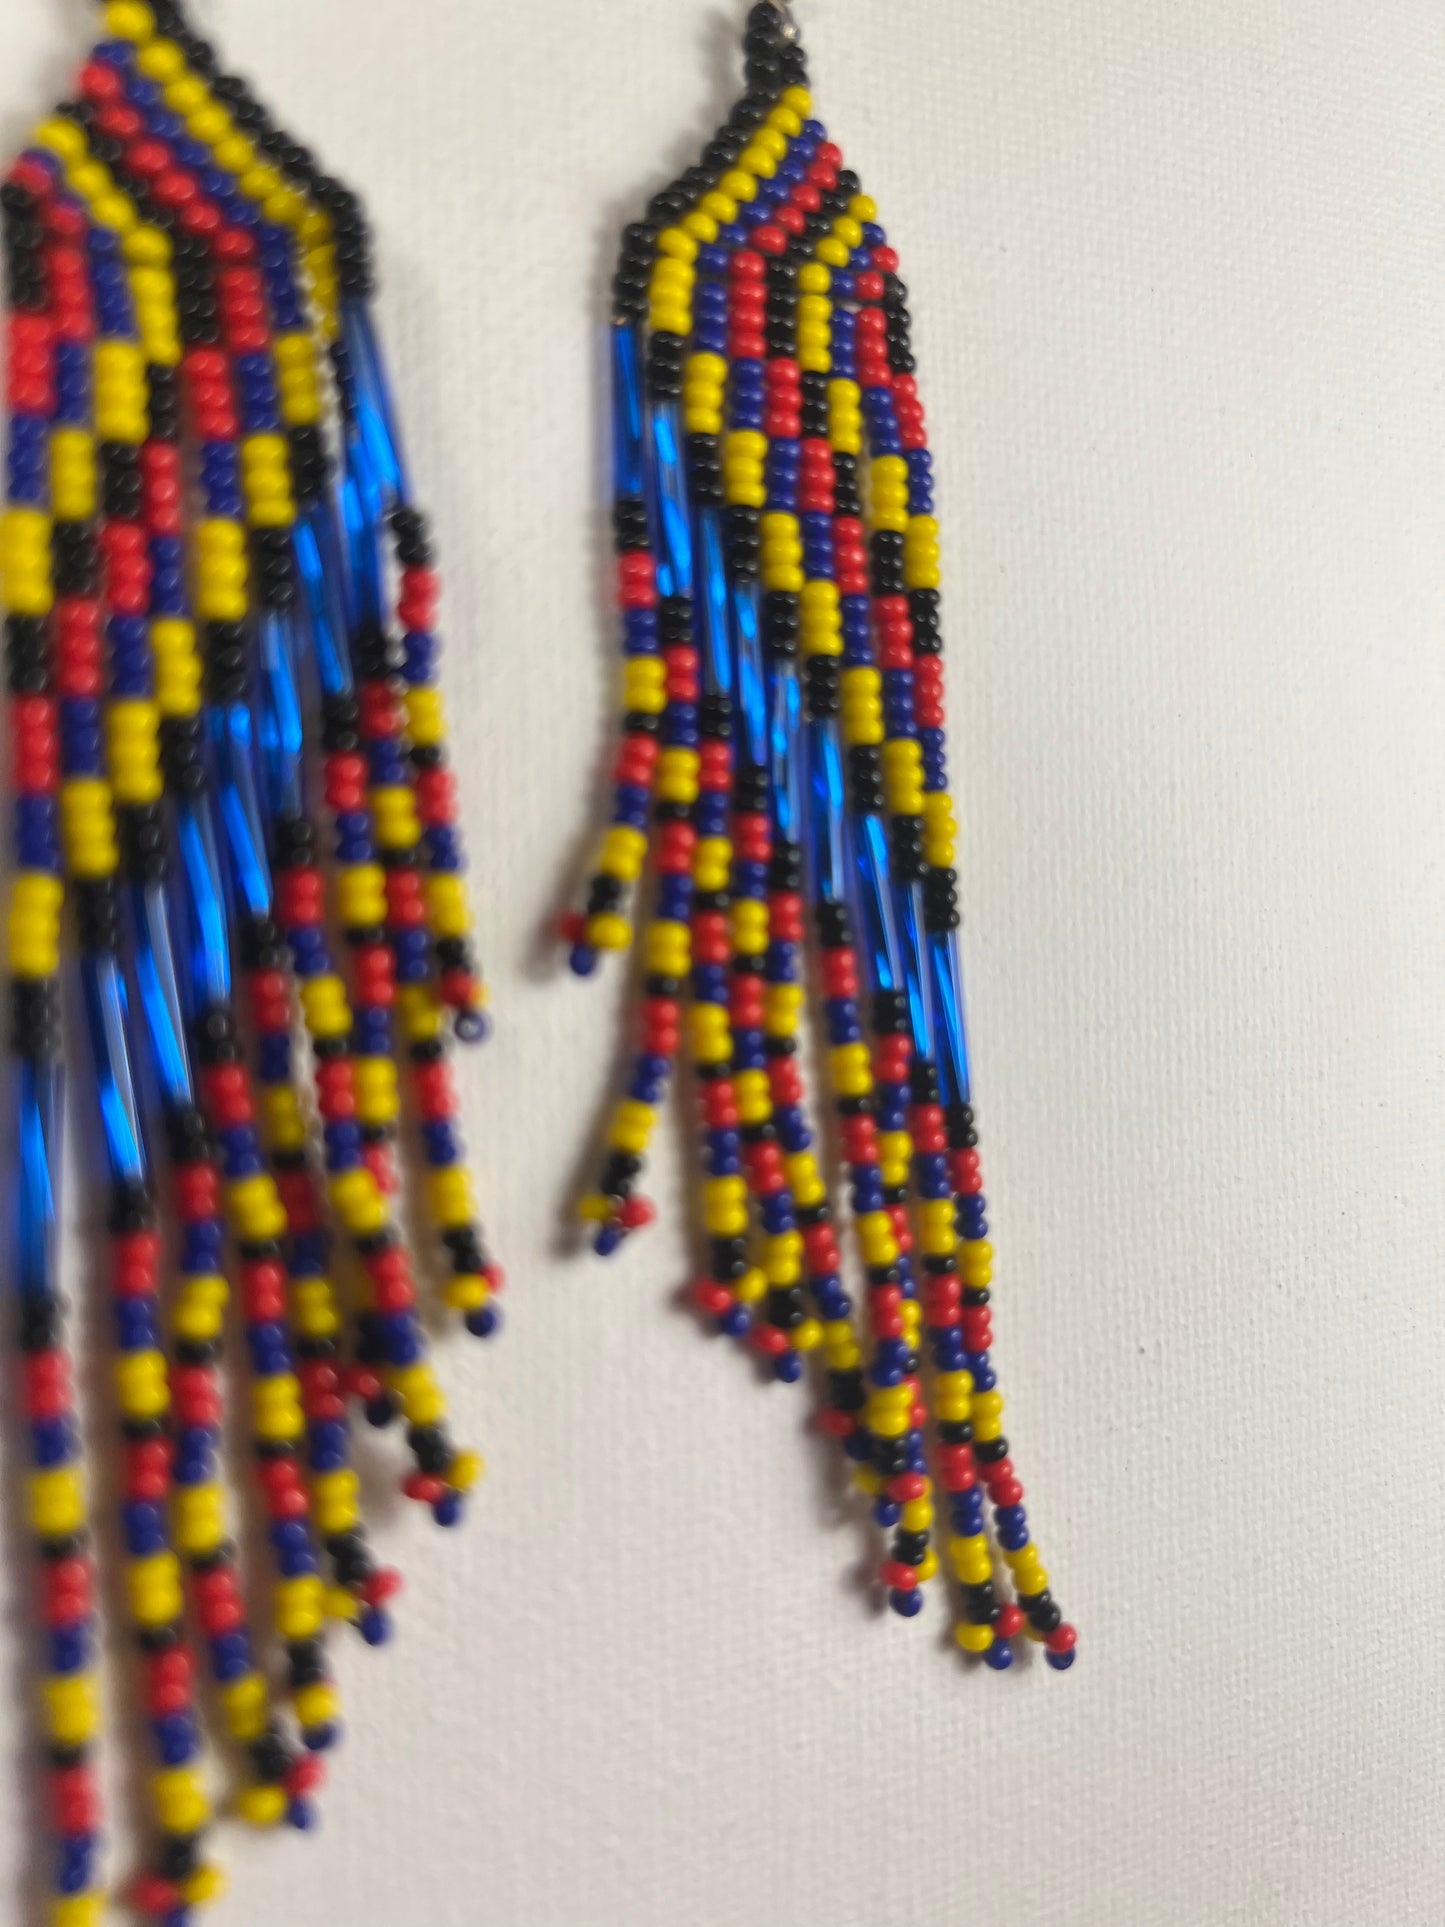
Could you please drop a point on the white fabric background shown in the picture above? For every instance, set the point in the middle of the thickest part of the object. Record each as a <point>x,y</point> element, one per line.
<point>1178,276</point>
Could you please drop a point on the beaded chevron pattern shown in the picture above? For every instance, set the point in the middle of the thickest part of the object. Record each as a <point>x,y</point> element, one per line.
<point>209,539</point>
<point>782,777</point>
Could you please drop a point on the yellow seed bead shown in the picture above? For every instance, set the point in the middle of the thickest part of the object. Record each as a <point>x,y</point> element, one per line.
<point>449,1195</point>
<point>624,850</point>
<point>609,932</point>
<point>71,1709</point>
<point>263,1806</point>
<point>317,1705</point>
<point>466,1291</point>
<point>465,1471</point>
<point>205,1886</point>
<point>632,1126</point>
<point>57,1502</point>
<point>359,1202</point>
<point>974,1639</point>
<point>298,1607</point>
<point>246,1703</point>
<point>180,1799</point>
<point>141,1386</point>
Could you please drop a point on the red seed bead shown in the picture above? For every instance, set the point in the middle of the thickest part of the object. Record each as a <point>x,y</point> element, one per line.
<point>720,1104</point>
<point>47,1385</point>
<point>419,596</point>
<point>747,266</point>
<point>74,1799</point>
<point>1063,1639</point>
<point>298,1201</point>
<point>1009,1622</point>
<point>198,1192</point>
<point>711,940</point>
<point>967,1172</point>
<point>785,1080</point>
<point>711,1297</point>
<point>785,916</point>
<point>897,1576</point>
<point>769,1340</point>
<point>928,1128</point>
<point>1006,1491</point>
<point>405,902</point>
<point>636,580</point>
<point>423,1487</point>
<point>635,1214</point>
<point>263,1290</point>
<point>436,797</point>
<point>907,1487</point>
<point>195,1395</point>
<point>137,1263</point>
<point>835,1424</point>
<point>148,1469</point>
<point>956,1471</point>
<point>820,1247</point>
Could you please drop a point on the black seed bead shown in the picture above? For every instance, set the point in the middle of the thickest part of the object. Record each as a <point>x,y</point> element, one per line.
<point>955,1432</point>
<point>822,686</point>
<point>429,1444</point>
<point>785,870</point>
<point>378,655</point>
<point>262,945</point>
<point>120,481</point>
<point>340,724</point>
<point>890,1456</point>
<point>905,835</point>
<point>269,1758</point>
<point>977,1296</point>
<point>846,496</point>
<point>890,1013</point>
<point>940,900</point>
<point>187,1135</point>
<point>664,365</point>
<point>835,926</point>
<point>225,661</point>
<point>910,1547</point>
<point>131,1208</point>
<point>629,523</point>
<point>183,754</point>
<point>27,655</point>
<point>729,1259</point>
<point>991,1451</point>
<point>310,463</point>
<point>782,623</point>
<point>465,1248</point>
<point>961,1133</point>
<point>619,1172</point>
<point>97,915</point>
<point>674,619</point>
<point>74,557</point>
<point>785,1307</point>
<point>37,1323</point>
<point>923,1081</point>
<point>750,789</point>
<point>143,846</point>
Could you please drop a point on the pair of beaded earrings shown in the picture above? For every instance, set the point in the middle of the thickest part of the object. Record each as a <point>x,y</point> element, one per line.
<point>210,539</point>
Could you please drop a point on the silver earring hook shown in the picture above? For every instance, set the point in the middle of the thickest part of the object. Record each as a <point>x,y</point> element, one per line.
<point>789,24</point>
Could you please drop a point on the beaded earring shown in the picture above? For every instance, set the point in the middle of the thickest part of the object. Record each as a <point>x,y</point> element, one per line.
<point>783,765</point>
<point>203,481</point>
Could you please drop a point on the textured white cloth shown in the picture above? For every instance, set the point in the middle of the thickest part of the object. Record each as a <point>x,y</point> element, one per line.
<point>1178,278</point>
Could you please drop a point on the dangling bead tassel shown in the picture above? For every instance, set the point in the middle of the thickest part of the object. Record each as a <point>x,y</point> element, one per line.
<point>784,765</point>
<point>175,303</point>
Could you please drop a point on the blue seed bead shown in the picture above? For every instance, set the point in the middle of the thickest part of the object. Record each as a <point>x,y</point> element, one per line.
<point>788,1367</point>
<point>1000,1656</point>
<point>69,1649</point>
<point>907,1604</point>
<point>1061,1662</point>
<point>308,1254</point>
<point>176,1738</point>
<point>52,1441</point>
<point>136,1327</point>
<point>887,1513</point>
<point>76,1865</point>
<point>145,1531</point>
<point>735,1322</point>
<point>374,1626</point>
<point>856,1447</point>
<point>483,1321</point>
<point>441,1142</point>
<point>448,1509</point>
<point>231,1655</point>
